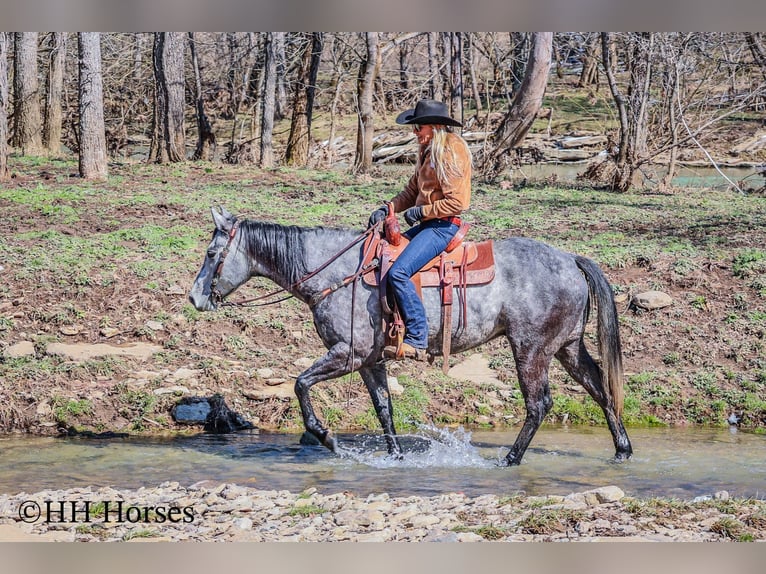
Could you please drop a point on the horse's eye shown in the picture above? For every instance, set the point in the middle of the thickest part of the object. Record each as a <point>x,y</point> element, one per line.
<point>211,253</point>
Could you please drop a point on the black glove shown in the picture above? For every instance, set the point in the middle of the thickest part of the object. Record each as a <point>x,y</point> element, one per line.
<point>413,215</point>
<point>377,215</point>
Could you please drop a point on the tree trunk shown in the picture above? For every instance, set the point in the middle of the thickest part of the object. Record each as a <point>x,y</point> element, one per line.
<point>368,71</point>
<point>303,103</point>
<point>205,136</point>
<point>268,103</point>
<point>168,137</point>
<point>54,88</point>
<point>589,73</point>
<point>3,106</point>
<point>28,125</point>
<point>520,48</point>
<point>528,100</point>
<point>456,75</point>
<point>756,51</point>
<point>434,75</point>
<point>138,57</point>
<point>472,74</point>
<point>404,68</point>
<point>279,52</point>
<point>622,111</point>
<point>93,164</point>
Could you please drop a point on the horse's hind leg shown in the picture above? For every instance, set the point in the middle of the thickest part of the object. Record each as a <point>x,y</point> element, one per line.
<point>332,365</point>
<point>582,368</point>
<point>533,380</point>
<point>377,385</point>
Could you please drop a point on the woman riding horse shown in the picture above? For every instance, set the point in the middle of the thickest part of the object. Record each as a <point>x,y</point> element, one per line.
<point>435,196</point>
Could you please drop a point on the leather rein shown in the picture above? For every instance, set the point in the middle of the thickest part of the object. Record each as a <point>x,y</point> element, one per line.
<point>253,302</point>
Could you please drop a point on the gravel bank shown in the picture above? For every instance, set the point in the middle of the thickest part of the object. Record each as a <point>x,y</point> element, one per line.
<point>229,512</point>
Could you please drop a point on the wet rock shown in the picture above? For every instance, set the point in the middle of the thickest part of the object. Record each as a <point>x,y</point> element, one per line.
<point>194,411</point>
<point>651,300</point>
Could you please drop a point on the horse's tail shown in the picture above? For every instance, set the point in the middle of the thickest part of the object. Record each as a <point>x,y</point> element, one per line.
<point>609,346</point>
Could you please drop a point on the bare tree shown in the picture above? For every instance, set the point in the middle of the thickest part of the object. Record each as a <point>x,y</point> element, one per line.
<point>281,100</point>
<point>93,164</point>
<point>434,74</point>
<point>589,73</point>
<point>3,106</point>
<point>268,101</point>
<point>632,112</point>
<point>297,152</point>
<point>54,87</point>
<point>205,137</point>
<point>472,73</point>
<point>168,137</point>
<point>527,102</point>
<point>27,133</point>
<point>456,75</point>
<point>368,71</point>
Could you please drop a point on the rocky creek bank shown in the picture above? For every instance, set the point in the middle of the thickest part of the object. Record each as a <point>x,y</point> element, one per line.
<point>230,512</point>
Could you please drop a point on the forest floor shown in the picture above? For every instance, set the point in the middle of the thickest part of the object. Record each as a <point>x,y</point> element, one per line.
<point>111,264</point>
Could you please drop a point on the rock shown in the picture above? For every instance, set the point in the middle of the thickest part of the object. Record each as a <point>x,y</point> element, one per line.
<point>651,300</point>
<point>70,330</point>
<point>265,373</point>
<point>155,326</point>
<point>85,351</point>
<point>109,332</point>
<point>183,374</point>
<point>243,523</point>
<point>191,412</point>
<point>21,349</point>
<point>171,390</point>
<point>265,392</point>
<point>475,369</point>
<point>394,387</point>
<point>607,494</point>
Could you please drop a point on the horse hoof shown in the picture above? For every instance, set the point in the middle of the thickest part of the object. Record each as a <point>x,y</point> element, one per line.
<point>622,456</point>
<point>330,442</point>
<point>508,461</point>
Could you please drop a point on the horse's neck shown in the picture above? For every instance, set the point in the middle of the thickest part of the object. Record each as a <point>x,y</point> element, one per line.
<point>291,254</point>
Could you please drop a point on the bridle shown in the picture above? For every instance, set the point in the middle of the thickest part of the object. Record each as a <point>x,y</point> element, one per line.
<point>218,297</point>
<point>214,291</point>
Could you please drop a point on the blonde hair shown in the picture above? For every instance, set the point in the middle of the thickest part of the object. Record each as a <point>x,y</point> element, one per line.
<point>443,156</point>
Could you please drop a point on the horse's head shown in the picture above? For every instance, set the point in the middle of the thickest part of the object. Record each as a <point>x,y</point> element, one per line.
<point>225,266</point>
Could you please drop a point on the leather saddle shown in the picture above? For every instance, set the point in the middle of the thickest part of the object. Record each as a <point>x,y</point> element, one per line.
<point>464,264</point>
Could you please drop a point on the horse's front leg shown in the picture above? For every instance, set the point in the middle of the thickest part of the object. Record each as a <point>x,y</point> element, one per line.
<point>332,365</point>
<point>377,385</point>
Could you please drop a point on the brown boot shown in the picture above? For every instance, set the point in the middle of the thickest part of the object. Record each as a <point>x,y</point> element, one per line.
<point>405,351</point>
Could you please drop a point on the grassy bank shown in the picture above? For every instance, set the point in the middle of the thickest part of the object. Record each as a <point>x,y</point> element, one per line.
<point>112,263</point>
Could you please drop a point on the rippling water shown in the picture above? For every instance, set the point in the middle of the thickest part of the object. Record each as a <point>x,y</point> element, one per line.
<point>679,463</point>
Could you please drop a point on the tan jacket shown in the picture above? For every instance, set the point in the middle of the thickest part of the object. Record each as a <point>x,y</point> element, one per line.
<point>424,188</point>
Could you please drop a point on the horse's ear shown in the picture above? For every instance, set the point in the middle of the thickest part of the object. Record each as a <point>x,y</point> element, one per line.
<point>223,219</point>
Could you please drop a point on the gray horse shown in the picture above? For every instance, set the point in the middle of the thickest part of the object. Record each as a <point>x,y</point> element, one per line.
<point>540,300</point>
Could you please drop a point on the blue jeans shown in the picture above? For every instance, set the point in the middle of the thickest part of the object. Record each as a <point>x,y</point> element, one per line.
<point>427,240</point>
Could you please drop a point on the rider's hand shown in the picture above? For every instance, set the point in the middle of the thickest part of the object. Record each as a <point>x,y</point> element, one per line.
<point>377,215</point>
<point>413,214</point>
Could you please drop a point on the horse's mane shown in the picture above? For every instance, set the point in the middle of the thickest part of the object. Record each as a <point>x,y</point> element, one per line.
<point>278,247</point>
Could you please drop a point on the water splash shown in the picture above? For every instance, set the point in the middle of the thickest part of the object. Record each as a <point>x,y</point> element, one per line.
<point>430,447</point>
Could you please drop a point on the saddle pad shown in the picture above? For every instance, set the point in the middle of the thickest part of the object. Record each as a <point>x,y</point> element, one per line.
<point>480,264</point>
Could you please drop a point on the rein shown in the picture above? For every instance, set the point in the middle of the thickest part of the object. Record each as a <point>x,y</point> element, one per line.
<point>314,300</point>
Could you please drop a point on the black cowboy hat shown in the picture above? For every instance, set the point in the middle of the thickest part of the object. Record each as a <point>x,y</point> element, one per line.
<point>428,112</point>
